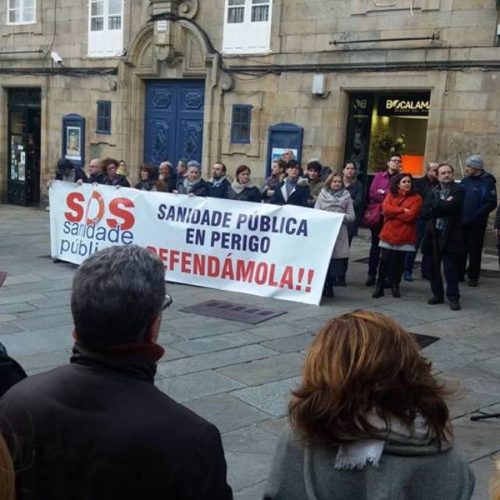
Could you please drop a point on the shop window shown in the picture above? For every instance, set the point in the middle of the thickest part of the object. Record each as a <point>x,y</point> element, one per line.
<point>105,28</point>
<point>386,123</point>
<point>103,117</point>
<point>21,11</point>
<point>247,26</point>
<point>240,123</point>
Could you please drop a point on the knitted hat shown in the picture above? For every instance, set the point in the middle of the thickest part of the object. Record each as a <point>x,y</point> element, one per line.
<point>475,161</point>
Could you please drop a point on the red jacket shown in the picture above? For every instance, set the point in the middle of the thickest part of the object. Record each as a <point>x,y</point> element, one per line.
<point>400,225</point>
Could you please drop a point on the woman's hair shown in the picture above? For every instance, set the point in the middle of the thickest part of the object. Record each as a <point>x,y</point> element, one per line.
<point>495,481</point>
<point>350,162</point>
<point>360,362</point>
<point>330,178</point>
<point>281,164</point>
<point>240,170</point>
<point>396,179</point>
<point>7,475</point>
<point>109,161</point>
<point>150,169</point>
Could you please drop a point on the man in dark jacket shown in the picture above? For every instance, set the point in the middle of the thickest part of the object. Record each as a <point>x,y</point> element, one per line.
<point>67,171</point>
<point>218,184</point>
<point>480,200</point>
<point>96,174</point>
<point>423,186</point>
<point>443,240</point>
<point>98,428</point>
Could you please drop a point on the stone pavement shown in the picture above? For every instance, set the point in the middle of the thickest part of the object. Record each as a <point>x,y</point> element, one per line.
<point>239,376</point>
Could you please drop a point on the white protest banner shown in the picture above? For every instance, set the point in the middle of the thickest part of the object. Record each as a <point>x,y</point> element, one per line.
<point>255,248</point>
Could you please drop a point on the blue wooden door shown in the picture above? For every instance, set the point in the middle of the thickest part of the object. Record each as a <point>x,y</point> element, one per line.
<point>174,120</point>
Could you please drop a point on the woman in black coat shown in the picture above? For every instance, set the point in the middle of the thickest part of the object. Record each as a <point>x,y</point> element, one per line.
<point>242,188</point>
<point>294,190</point>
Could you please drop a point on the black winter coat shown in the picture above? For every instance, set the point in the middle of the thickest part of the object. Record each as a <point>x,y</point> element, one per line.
<point>299,196</point>
<point>96,178</point>
<point>119,180</point>
<point>219,191</point>
<point>451,239</point>
<point>98,429</point>
<point>248,194</point>
<point>199,189</point>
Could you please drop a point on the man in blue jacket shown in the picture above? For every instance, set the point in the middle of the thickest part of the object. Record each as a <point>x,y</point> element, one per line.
<point>480,200</point>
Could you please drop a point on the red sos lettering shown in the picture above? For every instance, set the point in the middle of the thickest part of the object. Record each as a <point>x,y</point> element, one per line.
<point>94,210</point>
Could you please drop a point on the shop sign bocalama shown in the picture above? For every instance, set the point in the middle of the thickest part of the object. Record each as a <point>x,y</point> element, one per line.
<point>404,105</point>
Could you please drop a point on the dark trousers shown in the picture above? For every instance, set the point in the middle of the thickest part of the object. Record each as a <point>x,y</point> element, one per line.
<point>473,242</point>
<point>374,257</point>
<point>411,256</point>
<point>450,267</point>
<point>390,267</point>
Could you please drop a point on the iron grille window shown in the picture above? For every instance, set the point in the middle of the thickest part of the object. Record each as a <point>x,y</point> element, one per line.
<point>240,123</point>
<point>104,117</point>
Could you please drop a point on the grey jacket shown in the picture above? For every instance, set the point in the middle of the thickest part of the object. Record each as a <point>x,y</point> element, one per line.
<point>303,473</point>
<point>342,204</point>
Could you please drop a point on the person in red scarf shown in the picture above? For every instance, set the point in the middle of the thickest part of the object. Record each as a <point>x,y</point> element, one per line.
<point>401,208</point>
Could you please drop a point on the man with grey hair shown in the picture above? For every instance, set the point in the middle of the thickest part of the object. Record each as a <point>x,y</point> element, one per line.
<point>98,428</point>
<point>480,200</point>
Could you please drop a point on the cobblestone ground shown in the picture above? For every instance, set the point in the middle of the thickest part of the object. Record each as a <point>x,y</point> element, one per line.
<point>239,376</point>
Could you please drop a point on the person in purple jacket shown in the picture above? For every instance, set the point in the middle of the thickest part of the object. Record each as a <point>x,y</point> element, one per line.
<point>378,189</point>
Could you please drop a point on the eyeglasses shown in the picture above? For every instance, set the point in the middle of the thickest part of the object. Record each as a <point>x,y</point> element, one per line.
<point>166,301</point>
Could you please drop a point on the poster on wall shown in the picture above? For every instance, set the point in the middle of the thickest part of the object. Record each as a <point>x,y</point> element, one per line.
<point>73,143</point>
<point>277,153</point>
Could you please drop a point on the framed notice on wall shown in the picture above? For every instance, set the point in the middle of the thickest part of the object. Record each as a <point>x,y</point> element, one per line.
<point>73,138</point>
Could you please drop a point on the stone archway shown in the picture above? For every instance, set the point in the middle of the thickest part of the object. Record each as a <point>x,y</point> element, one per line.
<point>173,48</point>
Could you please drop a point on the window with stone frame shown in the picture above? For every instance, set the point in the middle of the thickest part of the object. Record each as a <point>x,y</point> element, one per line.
<point>241,123</point>
<point>103,117</point>
<point>247,26</point>
<point>21,11</point>
<point>105,28</point>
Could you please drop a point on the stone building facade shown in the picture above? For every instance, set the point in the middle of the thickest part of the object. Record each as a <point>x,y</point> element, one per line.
<point>329,78</point>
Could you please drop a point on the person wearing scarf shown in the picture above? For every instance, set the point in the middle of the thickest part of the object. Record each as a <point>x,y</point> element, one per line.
<point>147,182</point>
<point>219,183</point>
<point>368,421</point>
<point>242,188</point>
<point>193,184</point>
<point>274,180</point>
<point>333,197</point>
<point>400,208</point>
<point>443,243</point>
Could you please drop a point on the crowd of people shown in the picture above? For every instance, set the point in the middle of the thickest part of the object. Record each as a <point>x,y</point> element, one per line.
<point>368,421</point>
<point>446,219</point>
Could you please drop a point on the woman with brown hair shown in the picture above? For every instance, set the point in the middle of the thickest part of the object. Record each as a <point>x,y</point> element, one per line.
<point>7,475</point>
<point>368,421</point>
<point>242,188</point>
<point>147,178</point>
<point>113,178</point>
<point>401,208</point>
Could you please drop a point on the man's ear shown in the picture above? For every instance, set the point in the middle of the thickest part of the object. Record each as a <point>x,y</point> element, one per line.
<point>153,331</point>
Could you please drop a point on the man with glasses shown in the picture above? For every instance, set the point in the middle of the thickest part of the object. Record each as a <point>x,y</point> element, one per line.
<point>98,428</point>
<point>378,190</point>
